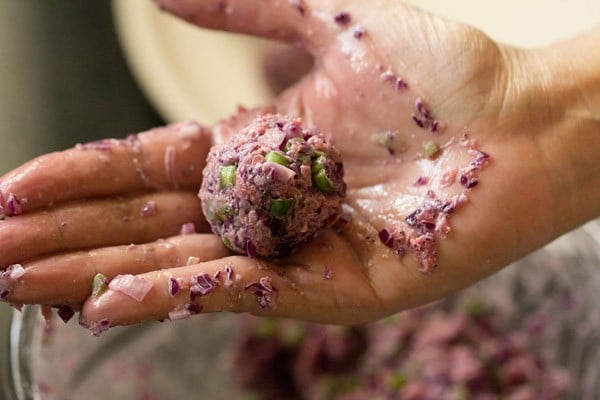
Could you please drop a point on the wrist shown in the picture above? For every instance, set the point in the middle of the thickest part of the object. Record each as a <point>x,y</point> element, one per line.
<point>569,75</point>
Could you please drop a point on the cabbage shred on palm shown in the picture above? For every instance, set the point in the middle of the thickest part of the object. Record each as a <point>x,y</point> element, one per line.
<point>272,186</point>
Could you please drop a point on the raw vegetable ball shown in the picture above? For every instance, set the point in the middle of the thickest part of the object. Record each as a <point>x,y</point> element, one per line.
<point>272,187</point>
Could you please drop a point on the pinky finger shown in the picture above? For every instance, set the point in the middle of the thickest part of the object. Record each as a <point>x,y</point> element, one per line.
<point>67,279</point>
<point>235,284</point>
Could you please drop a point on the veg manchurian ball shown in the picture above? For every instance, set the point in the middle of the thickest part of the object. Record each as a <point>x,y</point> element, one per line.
<point>272,186</point>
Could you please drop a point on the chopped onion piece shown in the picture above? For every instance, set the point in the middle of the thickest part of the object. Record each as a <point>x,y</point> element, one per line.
<point>192,260</point>
<point>188,228</point>
<point>228,281</point>
<point>14,272</point>
<point>180,314</point>
<point>133,286</point>
<point>280,172</point>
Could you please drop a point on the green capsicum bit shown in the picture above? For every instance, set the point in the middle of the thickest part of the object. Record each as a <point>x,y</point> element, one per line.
<point>227,176</point>
<point>99,285</point>
<point>281,207</point>
<point>277,158</point>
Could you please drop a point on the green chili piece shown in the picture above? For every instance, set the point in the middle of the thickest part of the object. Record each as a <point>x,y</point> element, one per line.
<point>227,243</point>
<point>224,212</point>
<point>277,158</point>
<point>227,176</point>
<point>322,181</point>
<point>318,164</point>
<point>430,149</point>
<point>281,207</point>
<point>99,285</point>
<point>319,174</point>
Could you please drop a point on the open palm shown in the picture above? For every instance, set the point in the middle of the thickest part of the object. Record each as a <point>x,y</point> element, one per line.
<point>432,119</point>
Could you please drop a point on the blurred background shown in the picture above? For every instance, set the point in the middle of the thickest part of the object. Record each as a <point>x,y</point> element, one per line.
<point>63,79</point>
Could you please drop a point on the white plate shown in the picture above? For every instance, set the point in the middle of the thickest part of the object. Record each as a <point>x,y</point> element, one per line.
<point>188,72</point>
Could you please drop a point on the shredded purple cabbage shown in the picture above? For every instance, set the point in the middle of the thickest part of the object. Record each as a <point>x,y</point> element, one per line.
<point>391,78</point>
<point>173,286</point>
<point>421,180</point>
<point>228,281</point>
<point>468,180</point>
<point>425,250</point>
<point>194,308</point>
<point>342,18</point>
<point>251,250</point>
<point>263,290</point>
<point>386,238</point>
<point>13,204</point>
<point>423,118</point>
<point>65,313</point>
<point>299,5</point>
<point>359,32</point>
<point>202,285</point>
<point>481,158</point>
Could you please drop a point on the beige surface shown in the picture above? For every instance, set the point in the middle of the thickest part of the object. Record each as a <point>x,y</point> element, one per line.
<point>526,23</point>
<point>191,73</point>
<point>188,72</point>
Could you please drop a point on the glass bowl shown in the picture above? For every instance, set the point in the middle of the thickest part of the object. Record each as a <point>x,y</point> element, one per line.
<point>175,360</point>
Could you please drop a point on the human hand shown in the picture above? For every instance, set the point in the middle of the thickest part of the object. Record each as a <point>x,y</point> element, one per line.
<point>373,62</point>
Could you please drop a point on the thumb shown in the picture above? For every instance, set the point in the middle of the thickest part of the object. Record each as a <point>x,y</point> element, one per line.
<point>304,22</point>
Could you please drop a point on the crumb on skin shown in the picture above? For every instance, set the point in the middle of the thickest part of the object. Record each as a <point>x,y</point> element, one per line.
<point>432,216</point>
<point>342,18</point>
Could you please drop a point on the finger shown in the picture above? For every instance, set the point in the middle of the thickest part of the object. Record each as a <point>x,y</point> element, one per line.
<point>92,224</point>
<point>67,279</point>
<point>168,157</point>
<point>328,289</point>
<point>310,22</point>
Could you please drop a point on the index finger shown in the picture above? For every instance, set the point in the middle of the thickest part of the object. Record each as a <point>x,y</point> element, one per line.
<point>170,157</point>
